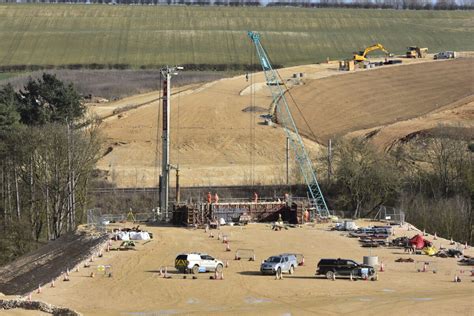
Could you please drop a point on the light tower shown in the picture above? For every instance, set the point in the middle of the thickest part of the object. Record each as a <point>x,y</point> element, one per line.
<point>166,74</point>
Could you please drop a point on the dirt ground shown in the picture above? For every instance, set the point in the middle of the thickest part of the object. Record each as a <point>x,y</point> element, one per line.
<point>216,141</point>
<point>136,289</point>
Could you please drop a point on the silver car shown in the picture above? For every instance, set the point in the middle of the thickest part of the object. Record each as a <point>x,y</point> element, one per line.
<point>285,263</point>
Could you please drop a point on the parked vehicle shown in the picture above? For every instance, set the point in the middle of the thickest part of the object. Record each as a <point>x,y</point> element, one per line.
<point>343,267</point>
<point>445,55</point>
<point>284,263</point>
<point>197,262</point>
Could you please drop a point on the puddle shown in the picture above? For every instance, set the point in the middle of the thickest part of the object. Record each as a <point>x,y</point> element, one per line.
<point>254,300</point>
<point>422,299</point>
<point>157,313</point>
<point>192,301</point>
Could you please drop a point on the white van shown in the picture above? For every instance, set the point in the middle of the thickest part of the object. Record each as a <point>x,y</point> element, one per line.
<point>197,262</point>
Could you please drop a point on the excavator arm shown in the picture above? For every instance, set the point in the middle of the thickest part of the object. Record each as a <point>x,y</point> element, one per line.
<point>360,56</point>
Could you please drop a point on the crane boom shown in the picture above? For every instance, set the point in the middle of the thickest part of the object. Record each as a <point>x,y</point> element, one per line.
<point>282,110</point>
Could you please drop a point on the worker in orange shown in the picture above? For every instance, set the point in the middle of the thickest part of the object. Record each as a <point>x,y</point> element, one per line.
<point>209,197</point>
<point>255,197</point>
<point>306,216</point>
<point>216,198</point>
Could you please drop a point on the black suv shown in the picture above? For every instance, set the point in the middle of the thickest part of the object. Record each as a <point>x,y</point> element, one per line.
<point>343,267</point>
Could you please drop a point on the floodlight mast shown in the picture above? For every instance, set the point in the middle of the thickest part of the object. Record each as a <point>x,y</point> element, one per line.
<point>166,74</point>
<point>280,109</point>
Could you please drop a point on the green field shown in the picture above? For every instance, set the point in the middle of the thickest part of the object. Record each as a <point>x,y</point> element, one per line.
<point>149,35</point>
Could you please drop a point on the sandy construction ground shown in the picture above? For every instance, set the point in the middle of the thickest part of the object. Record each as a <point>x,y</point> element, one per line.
<point>136,288</point>
<point>216,141</point>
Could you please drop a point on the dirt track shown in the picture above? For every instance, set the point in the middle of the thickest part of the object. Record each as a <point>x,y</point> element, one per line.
<point>42,265</point>
<point>216,143</point>
<point>136,286</point>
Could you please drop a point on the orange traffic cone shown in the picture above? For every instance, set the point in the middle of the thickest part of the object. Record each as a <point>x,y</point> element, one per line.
<point>381,267</point>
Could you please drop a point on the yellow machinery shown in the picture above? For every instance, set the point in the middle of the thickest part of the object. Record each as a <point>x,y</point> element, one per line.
<point>360,56</point>
<point>416,52</point>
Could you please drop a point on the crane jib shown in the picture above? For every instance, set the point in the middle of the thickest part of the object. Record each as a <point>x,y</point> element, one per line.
<point>282,110</point>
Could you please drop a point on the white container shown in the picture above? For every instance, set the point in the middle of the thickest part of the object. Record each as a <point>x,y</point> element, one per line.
<point>371,260</point>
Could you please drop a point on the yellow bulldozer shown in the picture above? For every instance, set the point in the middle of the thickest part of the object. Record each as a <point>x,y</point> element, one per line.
<point>416,52</point>
<point>360,56</point>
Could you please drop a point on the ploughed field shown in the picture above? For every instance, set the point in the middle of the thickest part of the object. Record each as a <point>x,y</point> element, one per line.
<point>158,35</point>
<point>135,286</point>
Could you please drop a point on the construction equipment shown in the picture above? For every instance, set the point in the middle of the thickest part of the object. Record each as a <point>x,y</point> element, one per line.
<point>416,52</point>
<point>281,110</point>
<point>360,56</point>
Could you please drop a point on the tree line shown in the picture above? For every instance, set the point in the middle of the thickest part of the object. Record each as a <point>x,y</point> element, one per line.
<point>358,4</point>
<point>46,163</point>
<point>429,177</point>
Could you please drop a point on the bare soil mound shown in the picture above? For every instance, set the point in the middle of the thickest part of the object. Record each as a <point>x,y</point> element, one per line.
<point>338,105</point>
<point>217,137</point>
<point>42,265</point>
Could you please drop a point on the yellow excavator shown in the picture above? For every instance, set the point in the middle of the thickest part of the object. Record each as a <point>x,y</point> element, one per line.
<point>360,56</point>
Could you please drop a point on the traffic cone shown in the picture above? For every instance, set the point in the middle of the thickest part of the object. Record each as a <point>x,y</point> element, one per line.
<point>455,278</point>
<point>52,283</point>
<point>435,237</point>
<point>227,247</point>
<point>465,245</point>
<point>302,262</point>
<point>39,289</point>
<point>67,271</point>
<point>66,277</point>
<point>351,278</point>
<point>451,242</point>
<point>334,276</point>
<point>381,267</point>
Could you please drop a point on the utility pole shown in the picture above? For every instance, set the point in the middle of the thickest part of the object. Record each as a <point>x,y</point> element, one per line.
<point>329,161</point>
<point>166,74</point>
<point>287,161</point>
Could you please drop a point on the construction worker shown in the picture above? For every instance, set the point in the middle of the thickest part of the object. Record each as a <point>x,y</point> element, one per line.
<point>209,197</point>
<point>216,198</point>
<point>255,197</point>
<point>306,216</point>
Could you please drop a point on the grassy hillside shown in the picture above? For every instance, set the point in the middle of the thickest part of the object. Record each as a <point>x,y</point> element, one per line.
<point>143,35</point>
